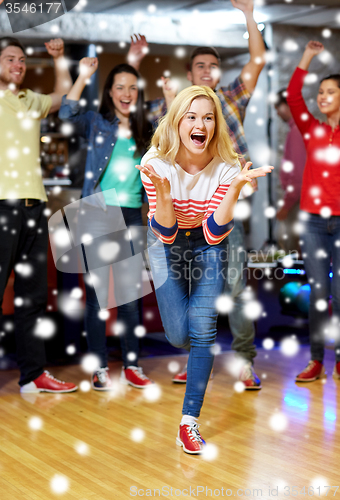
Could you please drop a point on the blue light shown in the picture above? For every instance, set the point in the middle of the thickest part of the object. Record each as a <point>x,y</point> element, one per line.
<point>295,402</point>
<point>331,274</point>
<point>294,271</point>
<point>330,416</point>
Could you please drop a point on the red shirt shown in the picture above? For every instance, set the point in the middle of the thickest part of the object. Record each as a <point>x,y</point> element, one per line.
<point>321,178</point>
<point>291,179</point>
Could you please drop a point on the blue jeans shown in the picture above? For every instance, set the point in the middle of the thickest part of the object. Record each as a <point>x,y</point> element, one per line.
<point>129,314</point>
<point>188,276</point>
<point>320,247</point>
<point>241,327</point>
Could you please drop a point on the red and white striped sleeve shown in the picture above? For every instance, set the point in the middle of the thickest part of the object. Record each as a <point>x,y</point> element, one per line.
<point>214,233</point>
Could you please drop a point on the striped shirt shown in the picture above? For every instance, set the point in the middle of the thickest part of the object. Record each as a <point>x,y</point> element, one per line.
<point>195,197</point>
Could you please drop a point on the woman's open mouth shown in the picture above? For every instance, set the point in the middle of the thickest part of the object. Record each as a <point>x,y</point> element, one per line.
<point>125,104</point>
<point>198,139</point>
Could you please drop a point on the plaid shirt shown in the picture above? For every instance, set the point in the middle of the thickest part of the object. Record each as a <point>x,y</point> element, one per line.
<point>234,100</point>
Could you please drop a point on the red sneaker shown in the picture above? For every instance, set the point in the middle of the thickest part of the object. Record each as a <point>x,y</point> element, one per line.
<point>336,371</point>
<point>47,383</point>
<point>101,381</point>
<point>180,378</point>
<point>313,371</point>
<point>133,375</point>
<point>190,438</point>
<point>249,378</point>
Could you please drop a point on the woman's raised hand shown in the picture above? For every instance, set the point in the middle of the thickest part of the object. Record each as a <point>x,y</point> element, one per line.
<point>314,48</point>
<point>88,66</point>
<point>247,175</point>
<point>162,185</point>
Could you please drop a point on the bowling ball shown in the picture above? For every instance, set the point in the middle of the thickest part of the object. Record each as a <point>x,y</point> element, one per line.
<point>288,294</point>
<point>303,299</point>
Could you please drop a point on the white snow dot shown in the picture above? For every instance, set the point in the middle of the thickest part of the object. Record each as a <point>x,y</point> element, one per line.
<point>224,304</point>
<point>85,386</point>
<point>152,392</point>
<point>278,422</point>
<point>270,212</point>
<point>253,310</point>
<point>210,452</point>
<point>35,423</point>
<point>45,328</point>
<point>140,331</point>
<point>90,363</point>
<point>173,367</point>
<point>268,344</point>
<point>289,346</point>
<point>137,435</point>
<point>71,349</point>
<point>239,386</point>
<point>59,484</point>
<point>321,305</point>
<point>325,212</point>
<point>82,448</point>
<point>103,315</point>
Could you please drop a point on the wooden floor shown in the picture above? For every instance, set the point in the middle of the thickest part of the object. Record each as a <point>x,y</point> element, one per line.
<point>105,446</point>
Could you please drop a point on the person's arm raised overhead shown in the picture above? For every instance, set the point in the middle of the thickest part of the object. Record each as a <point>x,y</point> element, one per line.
<point>251,71</point>
<point>87,67</point>
<point>138,50</point>
<point>63,80</point>
<point>312,49</point>
<point>302,117</point>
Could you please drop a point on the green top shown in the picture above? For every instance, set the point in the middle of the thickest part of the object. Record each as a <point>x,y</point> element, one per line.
<point>122,175</point>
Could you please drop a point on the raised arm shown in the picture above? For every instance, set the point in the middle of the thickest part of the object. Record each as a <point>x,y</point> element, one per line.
<point>312,49</point>
<point>257,50</point>
<point>63,80</point>
<point>138,50</point>
<point>87,67</point>
<point>302,117</point>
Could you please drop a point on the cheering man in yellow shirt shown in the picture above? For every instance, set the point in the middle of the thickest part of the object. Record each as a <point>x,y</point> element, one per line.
<point>23,223</point>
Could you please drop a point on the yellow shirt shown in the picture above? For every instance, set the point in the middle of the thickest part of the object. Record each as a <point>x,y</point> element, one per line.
<point>20,171</point>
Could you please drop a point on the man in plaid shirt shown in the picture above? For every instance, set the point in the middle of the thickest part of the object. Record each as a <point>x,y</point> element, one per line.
<point>205,70</point>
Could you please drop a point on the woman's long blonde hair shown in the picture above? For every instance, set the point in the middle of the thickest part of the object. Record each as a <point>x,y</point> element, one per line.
<point>166,138</point>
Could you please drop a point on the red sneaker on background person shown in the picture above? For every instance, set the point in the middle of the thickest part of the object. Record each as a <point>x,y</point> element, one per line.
<point>190,439</point>
<point>101,380</point>
<point>180,378</point>
<point>47,383</point>
<point>133,375</point>
<point>313,371</point>
<point>336,371</point>
<point>249,378</point>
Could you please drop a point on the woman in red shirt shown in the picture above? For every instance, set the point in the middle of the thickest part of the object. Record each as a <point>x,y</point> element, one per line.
<point>320,205</point>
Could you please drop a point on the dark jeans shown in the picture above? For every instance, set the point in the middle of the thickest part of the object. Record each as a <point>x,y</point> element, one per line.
<point>97,223</point>
<point>24,240</point>
<point>242,328</point>
<point>320,247</point>
<point>188,276</point>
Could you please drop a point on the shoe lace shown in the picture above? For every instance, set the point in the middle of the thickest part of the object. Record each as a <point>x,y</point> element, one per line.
<point>194,433</point>
<point>247,372</point>
<point>139,369</point>
<point>48,375</point>
<point>102,374</point>
<point>310,365</point>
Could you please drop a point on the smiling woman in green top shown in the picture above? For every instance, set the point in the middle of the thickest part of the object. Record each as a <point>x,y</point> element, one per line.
<point>118,135</point>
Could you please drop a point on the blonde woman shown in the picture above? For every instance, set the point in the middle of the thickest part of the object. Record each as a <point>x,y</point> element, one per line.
<point>193,179</point>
